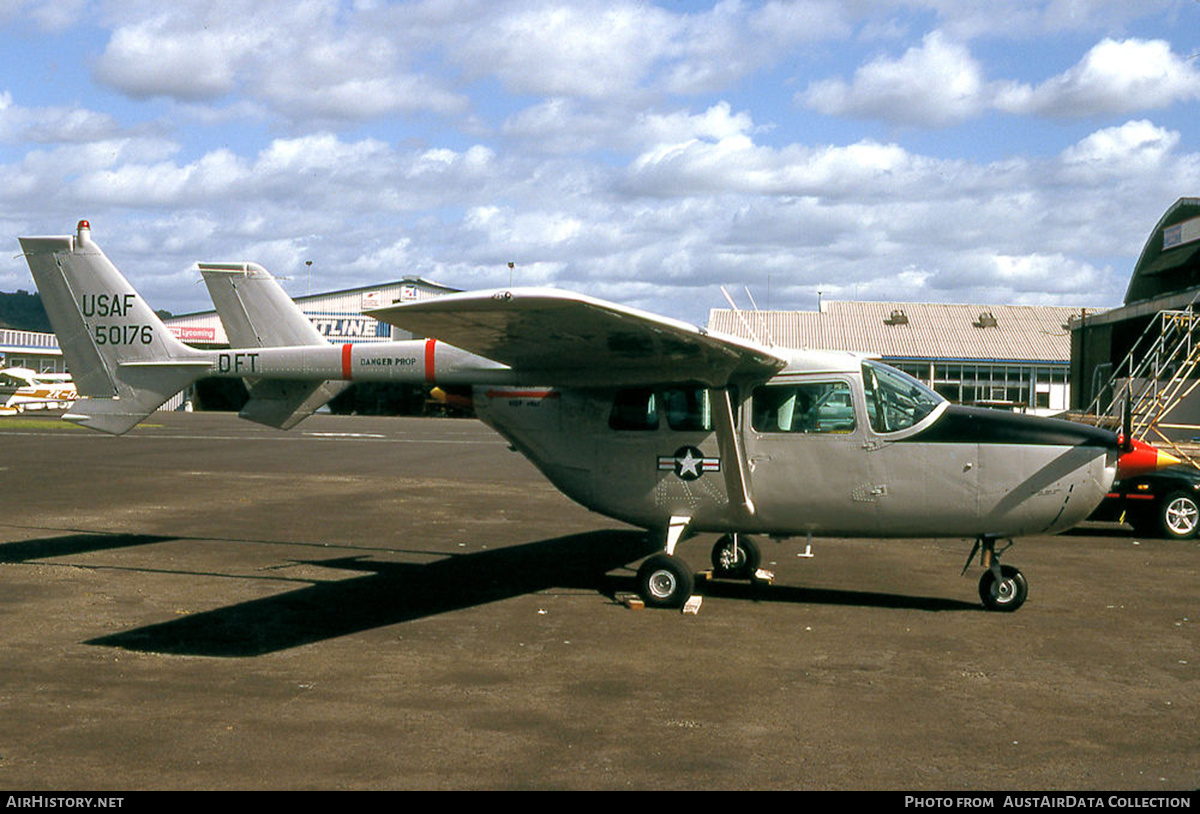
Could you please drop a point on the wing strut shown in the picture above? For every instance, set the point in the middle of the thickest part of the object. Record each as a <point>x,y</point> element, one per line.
<point>737,480</point>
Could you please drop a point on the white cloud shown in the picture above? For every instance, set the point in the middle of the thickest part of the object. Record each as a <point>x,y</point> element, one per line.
<point>214,176</point>
<point>586,49</point>
<point>1114,77</point>
<point>300,60</point>
<point>53,125</point>
<point>940,83</point>
<point>712,49</point>
<point>714,124</point>
<point>933,85</point>
<point>49,15</point>
<point>317,154</point>
<point>1134,148</point>
<point>162,57</point>
<point>736,164</point>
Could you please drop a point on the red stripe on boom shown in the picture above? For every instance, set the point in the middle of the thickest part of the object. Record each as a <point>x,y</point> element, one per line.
<point>346,361</point>
<point>430,370</point>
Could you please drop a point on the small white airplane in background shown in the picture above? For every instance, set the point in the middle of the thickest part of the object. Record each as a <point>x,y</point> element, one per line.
<point>24,389</point>
<point>648,420</point>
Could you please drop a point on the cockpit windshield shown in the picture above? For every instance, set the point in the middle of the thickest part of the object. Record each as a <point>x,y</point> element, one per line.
<point>895,400</point>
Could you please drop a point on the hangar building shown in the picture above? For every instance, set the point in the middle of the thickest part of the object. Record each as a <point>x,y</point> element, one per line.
<point>1012,356</point>
<point>32,349</point>
<point>1152,338</point>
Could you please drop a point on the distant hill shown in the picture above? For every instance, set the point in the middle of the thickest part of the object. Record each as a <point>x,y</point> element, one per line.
<point>23,311</point>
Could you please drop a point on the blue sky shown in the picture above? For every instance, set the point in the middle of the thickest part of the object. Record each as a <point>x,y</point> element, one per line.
<point>644,152</point>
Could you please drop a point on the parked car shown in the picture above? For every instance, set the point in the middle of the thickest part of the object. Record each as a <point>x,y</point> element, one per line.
<point>1165,503</point>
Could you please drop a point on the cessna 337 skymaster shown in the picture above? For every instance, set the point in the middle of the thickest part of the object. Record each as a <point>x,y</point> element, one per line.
<point>645,419</point>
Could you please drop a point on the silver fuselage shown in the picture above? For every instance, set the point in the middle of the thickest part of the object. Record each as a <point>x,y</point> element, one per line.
<point>959,472</point>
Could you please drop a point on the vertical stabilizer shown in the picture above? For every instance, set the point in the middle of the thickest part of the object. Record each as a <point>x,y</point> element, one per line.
<point>254,308</point>
<point>258,313</point>
<point>122,357</point>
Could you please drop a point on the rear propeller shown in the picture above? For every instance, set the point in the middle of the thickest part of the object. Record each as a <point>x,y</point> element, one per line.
<point>1137,457</point>
<point>1126,438</point>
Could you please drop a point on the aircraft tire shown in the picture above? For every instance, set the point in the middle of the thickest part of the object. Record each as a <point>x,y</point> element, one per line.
<point>742,565</point>
<point>1179,516</point>
<point>1006,595</point>
<point>665,581</point>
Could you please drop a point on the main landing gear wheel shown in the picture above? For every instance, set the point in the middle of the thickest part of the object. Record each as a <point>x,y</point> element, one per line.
<point>735,557</point>
<point>1006,593</point>
<point>665,581</point>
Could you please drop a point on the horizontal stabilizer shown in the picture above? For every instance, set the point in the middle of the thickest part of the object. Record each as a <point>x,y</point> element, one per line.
<point>283,403</point>
<point>113,416</point>
<point>147,385</point>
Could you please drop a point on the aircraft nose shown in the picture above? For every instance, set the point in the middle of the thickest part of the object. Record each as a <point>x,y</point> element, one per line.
<point>1141,458</point>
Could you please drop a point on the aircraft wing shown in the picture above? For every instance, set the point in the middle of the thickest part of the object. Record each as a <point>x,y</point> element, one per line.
<point>560,338</point>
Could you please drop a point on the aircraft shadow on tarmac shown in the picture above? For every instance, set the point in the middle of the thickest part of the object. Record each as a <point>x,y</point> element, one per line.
<point>388,592</point>
<point>67,544</point>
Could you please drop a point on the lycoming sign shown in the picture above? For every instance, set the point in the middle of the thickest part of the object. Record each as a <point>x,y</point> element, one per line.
<point>188,333</point>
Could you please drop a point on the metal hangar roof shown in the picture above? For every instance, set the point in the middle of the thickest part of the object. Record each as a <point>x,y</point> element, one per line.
<point>906,330</point>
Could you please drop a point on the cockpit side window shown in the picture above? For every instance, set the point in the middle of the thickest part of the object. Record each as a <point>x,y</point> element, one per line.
<point>895,400</point>
<point>809,407</point>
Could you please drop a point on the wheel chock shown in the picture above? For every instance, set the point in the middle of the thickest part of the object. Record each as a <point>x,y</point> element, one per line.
<point>763,575</point>
<point>631,601</point>
<point>693,604</point>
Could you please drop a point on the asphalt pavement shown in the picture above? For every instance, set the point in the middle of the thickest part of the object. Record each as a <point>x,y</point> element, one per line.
<point>391,603</point>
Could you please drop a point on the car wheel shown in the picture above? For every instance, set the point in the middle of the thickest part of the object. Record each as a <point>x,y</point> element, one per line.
<point>1179,516</point>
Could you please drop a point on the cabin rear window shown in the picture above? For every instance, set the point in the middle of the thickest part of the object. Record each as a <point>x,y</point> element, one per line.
<point>634,409</point>
<point>687,409</point>
<point>684,409</point>
<point>810,407</point>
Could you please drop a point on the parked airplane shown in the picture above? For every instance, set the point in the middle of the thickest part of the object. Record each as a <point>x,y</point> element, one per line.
<point>652,421</point>
<point>23,389</point>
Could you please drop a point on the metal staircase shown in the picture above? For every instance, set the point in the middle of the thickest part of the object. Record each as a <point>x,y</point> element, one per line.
<point>1159,372</point>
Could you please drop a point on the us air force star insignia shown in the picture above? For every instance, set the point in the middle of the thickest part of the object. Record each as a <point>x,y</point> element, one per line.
<point>688,463</point>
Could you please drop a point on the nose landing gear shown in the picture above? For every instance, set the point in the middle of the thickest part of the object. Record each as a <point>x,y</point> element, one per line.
<point>735,556</point>
<point>1002,587</point>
